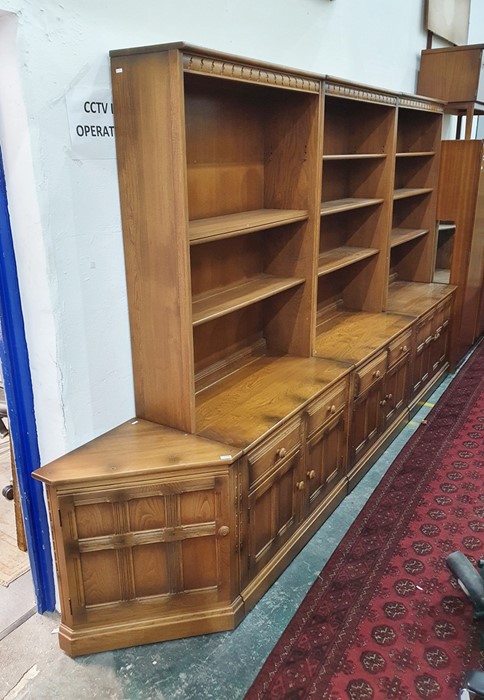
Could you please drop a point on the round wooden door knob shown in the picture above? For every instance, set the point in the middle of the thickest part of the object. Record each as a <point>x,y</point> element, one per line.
<point>281,452</point>
<point>300,485</point>
<point>332,409</point>
<point>311,474</point>
<point>377,373</point>
<point>223,531</point>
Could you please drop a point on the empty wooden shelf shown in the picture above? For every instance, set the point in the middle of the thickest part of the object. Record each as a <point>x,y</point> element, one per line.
<point>241,223</point>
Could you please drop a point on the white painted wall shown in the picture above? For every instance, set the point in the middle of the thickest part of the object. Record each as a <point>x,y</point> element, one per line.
<point>65,212</point>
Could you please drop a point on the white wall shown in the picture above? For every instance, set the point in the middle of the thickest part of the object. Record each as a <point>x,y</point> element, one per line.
<point>65,212</point>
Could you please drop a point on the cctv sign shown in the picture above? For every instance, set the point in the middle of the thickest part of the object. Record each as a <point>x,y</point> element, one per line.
<point>91,123</point>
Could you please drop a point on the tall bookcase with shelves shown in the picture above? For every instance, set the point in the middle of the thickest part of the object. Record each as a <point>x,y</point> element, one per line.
<point>278,233</point>
<point>356,169</point>
<point>412,237</point>
<point>242,230</point>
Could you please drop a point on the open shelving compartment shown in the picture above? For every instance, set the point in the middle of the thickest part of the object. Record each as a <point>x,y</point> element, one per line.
<point>413,233</point>
<point>446,231</point>
<point>357,163</point>
<point>251,156</point>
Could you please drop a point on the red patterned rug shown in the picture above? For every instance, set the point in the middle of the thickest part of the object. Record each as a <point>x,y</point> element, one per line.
<point>385,619</point>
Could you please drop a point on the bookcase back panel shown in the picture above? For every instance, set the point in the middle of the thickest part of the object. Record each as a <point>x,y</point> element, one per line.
<point>227,341</point>
<point>284,320</point>
<point>278,251</point>
<point>225,148</point>
<point>410,261</point>
<point>413,212</point>
<point>415,172</point>
<point>225,262</point>
<point>348,178</point>
<point>418,131</point>
<point>350,288</point>
<point>356,127</point>
<point>292,147</point>
<point>247,146</point>
<point>359,227</point>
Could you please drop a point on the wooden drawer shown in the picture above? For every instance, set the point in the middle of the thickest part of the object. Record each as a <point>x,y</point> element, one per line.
<point>326,407</point>
<point>369,373</point>
<point>274,450</point>
<point>399,348</point>
<point>424,331</point>
<point>442,315</point>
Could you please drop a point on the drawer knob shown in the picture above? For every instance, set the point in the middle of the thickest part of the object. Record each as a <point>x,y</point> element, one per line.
<point>377,373</point>
<point>383,402</point>
<point>404,348</point>
<point>332,409</point>
<point>300,485</point>
<point>223,531</point>
<point>389,397</point>
<point>311,474</point>
<point>281,452</point>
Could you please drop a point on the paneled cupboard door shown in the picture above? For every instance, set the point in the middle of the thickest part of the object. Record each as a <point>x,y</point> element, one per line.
<point>366,421</point>
<point>396,391</point>
<point>144,547</point>
<point>326,461</point>
<point>274,511</point>
<point>431,345</point>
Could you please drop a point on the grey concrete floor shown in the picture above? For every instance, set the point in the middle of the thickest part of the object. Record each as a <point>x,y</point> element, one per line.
<point>217,667</point>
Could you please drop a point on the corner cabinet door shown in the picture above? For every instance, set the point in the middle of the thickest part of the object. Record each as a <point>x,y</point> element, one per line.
<point>140,551</point>
<point>274,508</point>
<point>326,461</point>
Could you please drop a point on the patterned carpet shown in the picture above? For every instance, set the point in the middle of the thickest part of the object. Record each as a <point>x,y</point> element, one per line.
<point>385,619</point>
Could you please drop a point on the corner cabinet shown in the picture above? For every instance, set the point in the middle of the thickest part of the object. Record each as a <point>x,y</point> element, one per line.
<point>145,537</point>
<point>279,235</point>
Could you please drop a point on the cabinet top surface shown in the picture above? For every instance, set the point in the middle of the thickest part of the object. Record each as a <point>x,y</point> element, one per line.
<point>255,400</point>
<point>355,337</point>
<point>416,298</point>
<point>135,448</point>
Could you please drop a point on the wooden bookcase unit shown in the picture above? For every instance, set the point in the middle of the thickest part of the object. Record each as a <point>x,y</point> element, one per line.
<point>279,240</point>
<point>355,207</point>
<point>461,200</point>
<point>414,199</point>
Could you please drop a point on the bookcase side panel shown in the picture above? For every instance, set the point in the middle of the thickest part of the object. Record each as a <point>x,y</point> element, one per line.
<point>150,138</point>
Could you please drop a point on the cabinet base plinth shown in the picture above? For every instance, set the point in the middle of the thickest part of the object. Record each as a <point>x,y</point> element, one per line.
<point>93,639</point>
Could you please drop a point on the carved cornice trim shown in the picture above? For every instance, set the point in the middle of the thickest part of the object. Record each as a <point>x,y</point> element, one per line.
<point>357,93</point>
<point>416,103</point>
<point>232,70</point>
